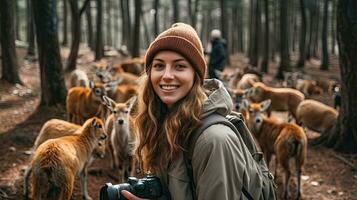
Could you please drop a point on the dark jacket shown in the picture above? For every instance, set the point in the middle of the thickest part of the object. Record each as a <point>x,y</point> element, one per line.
<point>217,58</point>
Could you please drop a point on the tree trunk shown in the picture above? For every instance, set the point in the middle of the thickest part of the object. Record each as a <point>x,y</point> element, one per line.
<point>65,24</point>
<point>240,26</point>
<point>109,23</point>
<point>99,50</point>
<point>53,90</point>
<point>252,31</point>
<point>136,40</point>
<point>90,26</point>
<point>333,27</point>
<point>146,29</point>
<point>284,42</point>
<point>156,17</point>
<point>324,63</point>
<point>265,62</point>
<point>126,23</point>
<point>257,27</point>
<point>194,14</point>
<point>17,20</point>
<point>315,47</point>
<point>76,36</point>
<point>30,29</point>
<point>224,20</point>
<point>176,14</point>
<point>10,72</point>
<point>302,44</point>
<point>343,136</point>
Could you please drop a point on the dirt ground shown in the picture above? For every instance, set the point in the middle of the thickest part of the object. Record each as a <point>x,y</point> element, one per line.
<point>325,176</point>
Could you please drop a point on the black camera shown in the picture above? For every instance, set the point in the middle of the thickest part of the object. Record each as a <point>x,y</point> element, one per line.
<point>148,187</point>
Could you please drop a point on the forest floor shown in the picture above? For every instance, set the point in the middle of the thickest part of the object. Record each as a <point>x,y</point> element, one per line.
<point>325,176</point>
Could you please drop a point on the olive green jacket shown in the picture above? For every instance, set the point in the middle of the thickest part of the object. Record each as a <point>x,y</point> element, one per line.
<point>218,162</point>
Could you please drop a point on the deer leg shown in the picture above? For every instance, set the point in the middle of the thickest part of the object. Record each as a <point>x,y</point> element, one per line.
<point>83,179</point>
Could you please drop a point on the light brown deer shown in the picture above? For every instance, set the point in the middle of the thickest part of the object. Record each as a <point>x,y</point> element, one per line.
<point>56,128</point>
<point>57,162</point>
<point>287,141</point>
<point>121,139</point>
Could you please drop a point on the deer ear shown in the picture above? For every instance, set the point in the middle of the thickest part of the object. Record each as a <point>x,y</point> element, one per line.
<point>265,105</point>
<point>245,104</point>
<point>130,102</point>
<point>94,122</point>
<point>110,103</point>
<point>91,84</point>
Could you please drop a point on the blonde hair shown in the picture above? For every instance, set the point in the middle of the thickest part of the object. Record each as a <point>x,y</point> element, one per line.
<point>161,133</point>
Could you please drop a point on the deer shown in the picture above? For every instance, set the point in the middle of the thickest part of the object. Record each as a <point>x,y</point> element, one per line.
<point>316,115</point>
<point>56,128</point>
<point>83,103</point>
<point>78,78</point>
<point>118,127</point>
<point>285,140</point>
<point>57,162</point>
<point>282,99</point>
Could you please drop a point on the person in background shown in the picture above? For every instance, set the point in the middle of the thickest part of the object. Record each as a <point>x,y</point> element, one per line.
<point>173,101</point>
<point>217,59</point>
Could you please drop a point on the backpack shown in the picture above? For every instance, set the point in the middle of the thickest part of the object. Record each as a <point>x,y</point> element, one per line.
<point>260,177</point>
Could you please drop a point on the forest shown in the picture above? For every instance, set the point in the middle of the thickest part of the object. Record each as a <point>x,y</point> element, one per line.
<point>50,47</point>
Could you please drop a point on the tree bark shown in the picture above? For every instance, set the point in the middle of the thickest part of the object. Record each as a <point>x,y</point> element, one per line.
<point>284,42</point>
<point>265,62</point>
<point>76,36</point>
<point>109,23</point>
<point>65,24</point>
<point>53,90</point>
<point>136,39</point>
<point>30,29</point>
<point>90,26</point>
<point>224,20</point>
<point>343,136</point>
<point>176,14</point>
<point>10,72</point>
<point>99,50</point>
<point>324,63</point>
<point>156,17</point>
<point>302,44</point>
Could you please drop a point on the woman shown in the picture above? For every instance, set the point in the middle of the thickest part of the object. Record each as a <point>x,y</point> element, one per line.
<point>173,101</point>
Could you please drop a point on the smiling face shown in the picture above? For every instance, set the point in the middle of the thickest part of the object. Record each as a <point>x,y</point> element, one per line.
<point>172,76</point>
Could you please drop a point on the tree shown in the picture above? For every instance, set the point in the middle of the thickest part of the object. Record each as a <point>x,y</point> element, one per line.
<point>156,17</point>
<point>99,50</point>
<point>324,63</point>
<point>53,90</point>
<point>30,29</point>
<point>136,40</point>
<point>265,62</point>
<point>302,44</point>
<point>343,136</point>
<point>284,40</point>
<point>7,31</point>
<point>64,28</point>
<point>176,14</point>
<point>76,36</point>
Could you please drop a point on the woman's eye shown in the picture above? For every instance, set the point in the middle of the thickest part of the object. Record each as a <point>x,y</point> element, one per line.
<point>180,67</point>
<point>158,66</point>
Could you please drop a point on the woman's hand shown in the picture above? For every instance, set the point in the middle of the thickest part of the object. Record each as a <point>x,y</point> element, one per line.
<point>130,196</point>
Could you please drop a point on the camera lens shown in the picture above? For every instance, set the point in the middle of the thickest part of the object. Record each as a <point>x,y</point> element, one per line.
<point>109,192</point>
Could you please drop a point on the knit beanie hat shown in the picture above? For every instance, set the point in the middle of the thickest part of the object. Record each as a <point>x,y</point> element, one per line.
<point>183,39</point>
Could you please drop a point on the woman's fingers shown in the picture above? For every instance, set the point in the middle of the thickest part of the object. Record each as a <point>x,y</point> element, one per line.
<point>130,196</point>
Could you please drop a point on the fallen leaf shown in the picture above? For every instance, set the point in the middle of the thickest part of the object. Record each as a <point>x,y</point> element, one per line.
<point>315,183</point>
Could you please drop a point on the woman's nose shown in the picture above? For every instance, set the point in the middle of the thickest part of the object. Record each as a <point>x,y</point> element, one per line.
<point>168,73</point>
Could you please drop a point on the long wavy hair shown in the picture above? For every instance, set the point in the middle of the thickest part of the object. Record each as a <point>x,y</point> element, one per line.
<point>162,133</point>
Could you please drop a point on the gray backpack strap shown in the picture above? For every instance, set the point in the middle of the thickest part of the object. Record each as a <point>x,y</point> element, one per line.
<point>207,122</point>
